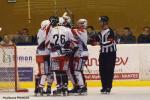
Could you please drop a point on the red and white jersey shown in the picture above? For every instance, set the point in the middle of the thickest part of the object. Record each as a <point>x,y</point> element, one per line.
<point>41,37</point>
<point>81,36</point>
<point>59,36</point>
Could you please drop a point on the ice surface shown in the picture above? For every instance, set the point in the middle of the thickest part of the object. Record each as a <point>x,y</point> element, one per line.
<point>118,93</point>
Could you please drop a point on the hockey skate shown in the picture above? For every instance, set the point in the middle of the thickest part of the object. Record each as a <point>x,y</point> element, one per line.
<point>41,91</point>
<point>36,91</point>
<point>65,90</point>
<point>74,91</point>
<point>57,92</point>
<point>108,90</point>
<point>82,91</point>
<point>48,90</point>
<point>105,91</point>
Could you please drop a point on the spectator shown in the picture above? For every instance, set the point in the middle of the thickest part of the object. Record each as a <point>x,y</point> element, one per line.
<point>144,37</point>
<point>26,36</point>
<point>23,37</point>
<point>15,37</point>
<point>127,37</point>
<point>117,36</point>
<point>34,40</point>
<point>6,40</point>
<point>0,36</point>
<point>91,34</point>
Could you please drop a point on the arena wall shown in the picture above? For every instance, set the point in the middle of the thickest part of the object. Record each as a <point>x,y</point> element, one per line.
<point>132,65</point>
<point>132,13</point>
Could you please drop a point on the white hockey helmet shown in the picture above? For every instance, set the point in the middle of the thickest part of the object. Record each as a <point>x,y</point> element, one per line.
<point>66,18</point>
<point>82,23</point>
<point>45,24</point>
<point>61,21</point>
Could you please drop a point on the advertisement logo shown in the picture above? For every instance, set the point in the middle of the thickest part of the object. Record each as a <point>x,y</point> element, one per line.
<point>119,61</point>
<point>24,58</point>
<point>92,61</point>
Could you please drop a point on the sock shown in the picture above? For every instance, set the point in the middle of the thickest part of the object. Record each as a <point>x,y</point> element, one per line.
<point>70,77</point>
<point>37,81</point>
<point>58,77</point>
<point>43,78</point>
<point>64,78</point>
<point>79,77</point>
<point>50,79</point>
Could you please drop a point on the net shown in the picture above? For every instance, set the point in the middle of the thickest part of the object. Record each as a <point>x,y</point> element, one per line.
<point>9,80</point>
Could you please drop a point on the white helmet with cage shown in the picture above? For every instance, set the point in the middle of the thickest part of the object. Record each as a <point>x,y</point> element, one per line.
<point>45,24</point>
<point>82,23</point>
<point>61,21</point>
<point>66,18</point>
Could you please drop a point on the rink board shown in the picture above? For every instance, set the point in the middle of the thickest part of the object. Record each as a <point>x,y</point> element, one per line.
<point>94,83</point>
<point>132,62</point>
<point>97,83</point>
<point>132,66</point>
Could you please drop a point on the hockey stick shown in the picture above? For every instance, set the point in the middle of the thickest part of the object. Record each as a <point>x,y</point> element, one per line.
<point>68,11</point>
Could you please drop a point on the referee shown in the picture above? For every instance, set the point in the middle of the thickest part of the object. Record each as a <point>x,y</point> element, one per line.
<point>107,57</point>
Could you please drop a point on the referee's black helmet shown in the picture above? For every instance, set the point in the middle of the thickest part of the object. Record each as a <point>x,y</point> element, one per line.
<point>103,19</point>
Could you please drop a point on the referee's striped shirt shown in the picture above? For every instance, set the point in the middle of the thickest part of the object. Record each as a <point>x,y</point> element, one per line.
<point>107,41</point>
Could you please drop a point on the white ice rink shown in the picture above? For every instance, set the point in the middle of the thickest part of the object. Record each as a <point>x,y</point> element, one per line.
<point>118,93</point>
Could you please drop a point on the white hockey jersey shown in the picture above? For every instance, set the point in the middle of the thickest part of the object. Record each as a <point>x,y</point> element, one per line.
<point>81,36</point>
<point>59,36</point>
<point>41,37</point>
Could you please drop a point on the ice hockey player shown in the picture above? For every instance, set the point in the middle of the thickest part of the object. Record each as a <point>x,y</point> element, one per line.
<point>42,59</point>
<point>60,38</point>
<point>80,57</point>
<point>70,72</point>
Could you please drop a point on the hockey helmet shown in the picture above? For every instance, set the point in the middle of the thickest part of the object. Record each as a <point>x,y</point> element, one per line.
<point>61,21</point>
<point>82,23</point>
<point>45,24</point>
<point>103,19</point>
<point>54,20</point>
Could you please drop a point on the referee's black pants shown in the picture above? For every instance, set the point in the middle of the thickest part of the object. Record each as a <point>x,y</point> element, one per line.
<point>106,68</point>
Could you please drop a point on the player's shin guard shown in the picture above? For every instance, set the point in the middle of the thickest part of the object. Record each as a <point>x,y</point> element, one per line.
<point>50,79</point>
<point>85,83</point>
<point>71,77</point>
<point>62,82</point>
<point>65,83</point>
<point>37,82</point>
<point>41,85</point>
<point>64,78</point>
<point>79,77</point>
<point>43,78</point>
<point>82,89</point>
